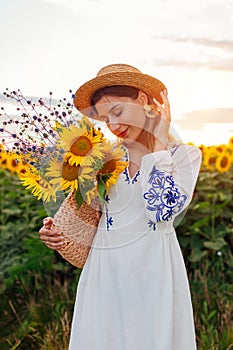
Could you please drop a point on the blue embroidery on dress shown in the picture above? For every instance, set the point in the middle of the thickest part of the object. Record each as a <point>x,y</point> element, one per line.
<point>107,198</point>
<point>135,178</point>
<point>126,172</point>
<point>163,197</point>
<point>152,225</point>
<point>127,179</point>
<point>109,219</point>
<point>173,149</point>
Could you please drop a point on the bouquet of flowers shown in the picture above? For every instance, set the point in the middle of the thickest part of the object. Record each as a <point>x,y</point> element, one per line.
<point>53,150</point>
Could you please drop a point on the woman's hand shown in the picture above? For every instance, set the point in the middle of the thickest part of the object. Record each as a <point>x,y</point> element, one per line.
<point>163,124</point>
<point>52,238</point>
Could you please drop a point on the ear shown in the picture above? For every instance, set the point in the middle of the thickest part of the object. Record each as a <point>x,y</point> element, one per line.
<point>142,98</point>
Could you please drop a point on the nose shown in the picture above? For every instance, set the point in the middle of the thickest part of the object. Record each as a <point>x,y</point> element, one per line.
<point>113,124</point>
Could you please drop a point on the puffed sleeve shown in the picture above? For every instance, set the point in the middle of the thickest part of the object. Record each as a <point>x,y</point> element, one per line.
<point>168,181</point>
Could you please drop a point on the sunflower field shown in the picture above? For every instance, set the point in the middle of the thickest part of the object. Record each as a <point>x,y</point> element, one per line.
<point>38,287</point>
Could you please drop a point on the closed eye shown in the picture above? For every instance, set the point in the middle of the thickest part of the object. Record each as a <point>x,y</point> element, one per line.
<point>117,114</point>
<point>103,118</point>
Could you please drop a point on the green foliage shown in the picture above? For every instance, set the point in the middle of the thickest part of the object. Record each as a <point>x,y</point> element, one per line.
<point>206,238</point>
<point>36,297</point>
<point>38,287</point>
<point>206,232</point>
<point>20,219</point>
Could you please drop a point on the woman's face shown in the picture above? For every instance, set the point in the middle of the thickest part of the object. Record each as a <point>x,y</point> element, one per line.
<point>124,116</point>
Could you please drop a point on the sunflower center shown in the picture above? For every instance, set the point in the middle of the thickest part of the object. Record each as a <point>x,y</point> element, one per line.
<point>224,162</point>
<point>70,172</point>
<point>81,146</point>
<point>14,163</point>
<point>212,160</point>
<point>108,167</point>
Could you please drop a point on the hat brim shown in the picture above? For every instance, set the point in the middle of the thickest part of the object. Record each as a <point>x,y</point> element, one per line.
<point>144,82</point>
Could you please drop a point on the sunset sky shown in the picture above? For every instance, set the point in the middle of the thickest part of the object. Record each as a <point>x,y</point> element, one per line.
<point>56,45</point>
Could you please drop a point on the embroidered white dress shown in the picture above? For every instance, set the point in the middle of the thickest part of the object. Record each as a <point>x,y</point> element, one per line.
<point>133,292</point>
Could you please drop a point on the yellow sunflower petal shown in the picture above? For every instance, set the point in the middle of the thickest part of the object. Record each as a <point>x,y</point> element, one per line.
<point>91,194</point>
<point>38,185</point>
<point>64,175</point>
<point>209,158</point>
<point>112,163</point>
<point>230,143</point>
<point>224,162</point>
<point>221,148</point>
<point>81,145</point>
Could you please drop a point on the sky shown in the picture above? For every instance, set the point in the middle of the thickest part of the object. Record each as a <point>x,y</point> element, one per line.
<point>57,45</point>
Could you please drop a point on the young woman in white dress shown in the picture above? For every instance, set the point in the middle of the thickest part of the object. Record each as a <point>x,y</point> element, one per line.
<point>133,292</point>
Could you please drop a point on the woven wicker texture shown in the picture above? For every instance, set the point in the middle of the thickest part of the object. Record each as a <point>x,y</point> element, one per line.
<point>116,74</point>
<point>78,227</point>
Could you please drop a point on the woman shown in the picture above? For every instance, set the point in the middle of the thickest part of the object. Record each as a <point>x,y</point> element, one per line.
<point>133,292</point>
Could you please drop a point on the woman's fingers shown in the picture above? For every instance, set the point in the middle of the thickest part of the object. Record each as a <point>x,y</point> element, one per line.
<point>52,238</point>
<point>54,246</point>
<point>165,107</point>
<point>48,222</point>
<point>157,103</point>
<point>166,103</point>
<point>161,129</point>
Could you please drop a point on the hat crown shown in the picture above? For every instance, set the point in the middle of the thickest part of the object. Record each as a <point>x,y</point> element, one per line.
<point>113,75</point>
<point>117,68</point>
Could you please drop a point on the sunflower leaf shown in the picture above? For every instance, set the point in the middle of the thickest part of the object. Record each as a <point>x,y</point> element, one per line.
<point>98,164</point>
<point>101,186</point>
<point>79,198</point>
<point>104,177</point>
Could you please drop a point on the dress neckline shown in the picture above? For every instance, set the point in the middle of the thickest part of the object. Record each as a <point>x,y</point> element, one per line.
<point>130,179</point>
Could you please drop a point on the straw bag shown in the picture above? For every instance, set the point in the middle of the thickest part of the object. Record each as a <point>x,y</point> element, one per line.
<point>78,227</point>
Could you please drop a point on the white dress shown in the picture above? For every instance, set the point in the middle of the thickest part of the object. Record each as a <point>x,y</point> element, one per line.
<point>133,292</point>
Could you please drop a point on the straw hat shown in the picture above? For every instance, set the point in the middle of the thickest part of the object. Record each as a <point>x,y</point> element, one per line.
<point>117,74</point>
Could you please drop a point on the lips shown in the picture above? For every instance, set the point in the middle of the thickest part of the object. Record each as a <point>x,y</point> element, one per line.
<point>123,133</point>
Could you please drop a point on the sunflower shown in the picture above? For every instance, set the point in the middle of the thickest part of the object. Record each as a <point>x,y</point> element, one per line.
<point>86,123</point>
<point>13,162</point>
<point>91,194</point>
<point>223,162</point>
<point>39,186</point>
<point>221,148</point>
<point>210,156</point>
<point>64,175</point>
<point>82,146</point>
<point>4,159</point>
<point>230,143</point>
<point>9,161</point>
<point>22,167</point>
<point>17,164</point>
<point>202,148</point>
<point>112,164</point>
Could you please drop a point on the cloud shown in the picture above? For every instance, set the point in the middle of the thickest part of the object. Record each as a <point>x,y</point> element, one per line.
<point>221,64</point>
<point>226,45</point>
<point>200,52</point>
<point>197,120</point>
